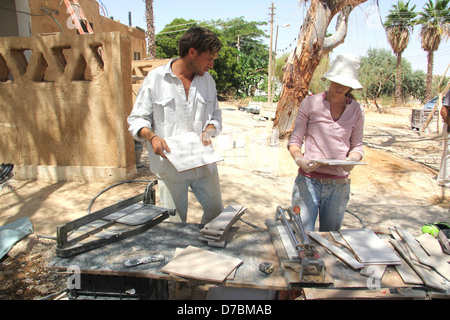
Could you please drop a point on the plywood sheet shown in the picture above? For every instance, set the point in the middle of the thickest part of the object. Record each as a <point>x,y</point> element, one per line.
<point>188,152</point>
<point>202,264</point>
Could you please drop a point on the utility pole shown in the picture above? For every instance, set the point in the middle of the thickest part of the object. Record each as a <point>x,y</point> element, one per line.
<point>269,76</point>
<point>273,68</point>
<point>274,59</point>
<point>238,47</point>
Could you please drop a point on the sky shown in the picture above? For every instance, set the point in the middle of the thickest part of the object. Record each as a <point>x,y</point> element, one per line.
<point>365,29</point>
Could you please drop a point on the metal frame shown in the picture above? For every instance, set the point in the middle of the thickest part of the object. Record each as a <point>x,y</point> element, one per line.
<point>66,247</point>
<point>312,268</point>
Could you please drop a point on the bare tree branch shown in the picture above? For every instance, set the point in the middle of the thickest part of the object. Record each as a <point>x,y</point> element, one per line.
<point>338,37</point>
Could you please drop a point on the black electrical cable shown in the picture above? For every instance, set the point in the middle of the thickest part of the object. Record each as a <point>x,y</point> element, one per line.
<point>360,220</point>
<point>5,169</point>
<point>112,186</point>
<point>30,14</point>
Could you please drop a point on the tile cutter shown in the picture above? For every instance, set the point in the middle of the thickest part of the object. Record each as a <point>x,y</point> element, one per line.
<point>312,267</point>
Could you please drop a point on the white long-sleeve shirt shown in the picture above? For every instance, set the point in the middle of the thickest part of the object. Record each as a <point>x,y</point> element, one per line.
<point>162,106</point>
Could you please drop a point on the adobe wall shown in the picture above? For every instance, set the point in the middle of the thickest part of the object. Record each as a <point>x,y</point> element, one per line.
<point>140,69</point>
<point>64,112</point>
<point>61,21</point>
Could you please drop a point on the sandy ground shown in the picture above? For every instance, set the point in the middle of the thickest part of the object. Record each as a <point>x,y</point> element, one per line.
<point>396,187</point>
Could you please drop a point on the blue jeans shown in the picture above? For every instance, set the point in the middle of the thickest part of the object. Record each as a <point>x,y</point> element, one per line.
<point>328,200</point>
<point>174,195</point>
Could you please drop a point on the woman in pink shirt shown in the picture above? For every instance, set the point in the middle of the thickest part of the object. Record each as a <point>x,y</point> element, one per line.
<point>329,125</point>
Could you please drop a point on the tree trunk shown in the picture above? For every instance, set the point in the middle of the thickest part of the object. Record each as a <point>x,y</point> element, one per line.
<point>311,46</point>
<point>151,40</point>
<point>398,80</point>
<point>429,75</point>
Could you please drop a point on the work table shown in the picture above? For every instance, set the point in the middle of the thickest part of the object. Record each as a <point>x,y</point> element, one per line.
<point>250,245</point>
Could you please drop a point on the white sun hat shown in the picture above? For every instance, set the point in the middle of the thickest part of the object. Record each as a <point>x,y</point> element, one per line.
<point>344,70</point>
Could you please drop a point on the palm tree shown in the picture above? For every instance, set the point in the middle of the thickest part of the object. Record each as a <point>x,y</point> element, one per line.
<point>151,40</point>
<point>434,23</point>
<point>399,25</point>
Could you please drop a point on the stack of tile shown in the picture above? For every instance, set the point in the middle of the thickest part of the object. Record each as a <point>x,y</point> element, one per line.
<point>426,263</point>
<point>219,231</point>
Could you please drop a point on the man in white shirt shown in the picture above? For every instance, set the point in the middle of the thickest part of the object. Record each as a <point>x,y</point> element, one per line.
<point>177,98</point>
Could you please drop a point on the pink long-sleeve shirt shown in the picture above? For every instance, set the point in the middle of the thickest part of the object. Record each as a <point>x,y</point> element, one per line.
<point>325,138</point>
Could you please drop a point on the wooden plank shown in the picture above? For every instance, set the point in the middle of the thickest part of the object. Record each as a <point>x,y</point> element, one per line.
<point>382,293</point>
<point>349,260</point>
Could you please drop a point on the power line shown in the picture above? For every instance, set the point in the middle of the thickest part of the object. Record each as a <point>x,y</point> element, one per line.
<point>24,12</point>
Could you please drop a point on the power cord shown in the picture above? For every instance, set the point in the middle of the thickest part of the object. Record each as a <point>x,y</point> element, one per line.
<point>152,182</point>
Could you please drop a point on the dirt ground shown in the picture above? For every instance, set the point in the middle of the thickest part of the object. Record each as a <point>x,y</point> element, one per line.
<point>396,187</point>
